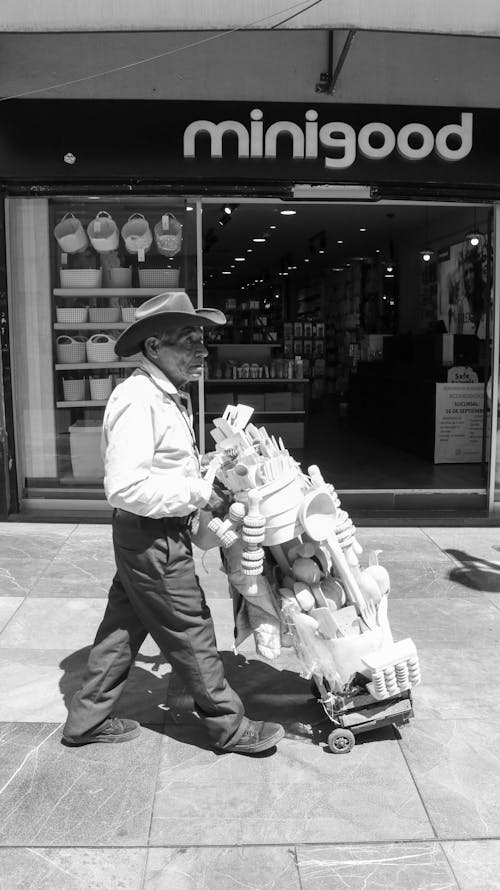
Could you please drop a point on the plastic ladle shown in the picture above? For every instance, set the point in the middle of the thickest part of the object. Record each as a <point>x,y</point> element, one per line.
<point>317,515</point>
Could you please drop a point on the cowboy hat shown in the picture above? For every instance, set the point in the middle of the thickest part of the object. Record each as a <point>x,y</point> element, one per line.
<point>164,313</point>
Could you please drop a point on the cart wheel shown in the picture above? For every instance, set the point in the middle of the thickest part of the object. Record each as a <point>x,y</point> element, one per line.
<point>341,741</point>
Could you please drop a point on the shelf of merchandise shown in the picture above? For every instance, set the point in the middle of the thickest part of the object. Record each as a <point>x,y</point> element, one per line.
<point>258,413</point>
<point>140,292</point>
<point>273,345</point>
<point>92,326</point>
<point>230,381</point>
<point>85,403</point>
<point>78,366</point>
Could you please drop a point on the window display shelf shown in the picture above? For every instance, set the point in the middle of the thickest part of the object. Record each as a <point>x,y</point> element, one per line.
<point>257,413</point>
<point>77,366</point>
<point>85,403</point>
<point>229,381</point>
<point>92,326</point>
<point>112,291</point>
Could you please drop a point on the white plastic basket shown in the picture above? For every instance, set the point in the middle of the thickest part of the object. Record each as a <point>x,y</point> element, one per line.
<point>136,233</point>
<point>158,277</point>
<point>101,348</point>
<point>128,314</point>
<point>168,235</point>
<point>73,315</point>
<point>100,388</point>
<point>108,314</point>
<point>71,350</point>
<point>119,276</point>
<point>81,277</point>
<point>74,390</point>
<point>103,232</point>
<point>70,234</point>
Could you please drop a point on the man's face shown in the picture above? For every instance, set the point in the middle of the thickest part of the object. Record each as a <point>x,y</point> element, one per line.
<point>179,354</point>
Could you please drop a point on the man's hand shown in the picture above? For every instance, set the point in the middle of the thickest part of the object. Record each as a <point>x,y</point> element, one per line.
<point>220,501</point>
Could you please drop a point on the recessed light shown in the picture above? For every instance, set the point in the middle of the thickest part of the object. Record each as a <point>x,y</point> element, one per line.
<point>258,240</point>
<point>188,207</point>
<point>272,227</point>
<point>306,260</point>
<point>288,212</point>
<point>249,250</point>
<point>362,229</point>
<point>226,273</point>
<point>233,267</point>
<point>239,259</point>
<point>340,242</point>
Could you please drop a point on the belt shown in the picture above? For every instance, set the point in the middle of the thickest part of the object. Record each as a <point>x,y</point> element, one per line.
<point>144,521</point>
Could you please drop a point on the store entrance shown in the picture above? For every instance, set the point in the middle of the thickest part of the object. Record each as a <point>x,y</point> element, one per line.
<point>360,334</point>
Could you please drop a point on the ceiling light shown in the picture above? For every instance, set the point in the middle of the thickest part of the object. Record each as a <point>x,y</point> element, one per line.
<point>259,240</point>
<point>239,259</point>
<point>249,250</point>
<point>389,268</point>
<point>288,212</point>
<point>362,229</point>
<point>306,260</point>
<point>426,255</point>
<point>226,273</point>
<point>272,227</point>
<point>340,242</point>
<point>189,207</point>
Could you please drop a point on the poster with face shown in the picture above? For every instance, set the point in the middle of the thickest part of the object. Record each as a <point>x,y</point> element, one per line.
<point>462,285</point>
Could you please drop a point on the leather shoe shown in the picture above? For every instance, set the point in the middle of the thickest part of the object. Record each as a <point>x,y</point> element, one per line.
<point>258,736</point>
<point>112,730</point>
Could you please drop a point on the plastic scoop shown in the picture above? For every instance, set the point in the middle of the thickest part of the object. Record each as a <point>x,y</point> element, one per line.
<point>317,515</point>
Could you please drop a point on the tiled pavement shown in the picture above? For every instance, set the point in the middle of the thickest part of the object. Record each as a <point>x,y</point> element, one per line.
<point>417,809</point>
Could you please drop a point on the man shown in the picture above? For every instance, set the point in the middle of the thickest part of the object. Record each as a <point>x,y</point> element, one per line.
<point>153,480</point>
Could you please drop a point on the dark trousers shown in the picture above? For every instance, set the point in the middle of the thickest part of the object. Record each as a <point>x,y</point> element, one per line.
<point>156,591</point>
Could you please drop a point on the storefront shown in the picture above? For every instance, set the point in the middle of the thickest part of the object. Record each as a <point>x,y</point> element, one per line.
<point>360,306</point>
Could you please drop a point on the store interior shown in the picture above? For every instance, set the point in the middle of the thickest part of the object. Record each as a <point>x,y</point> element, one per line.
<point>343,321</point>
<point>365,295</point>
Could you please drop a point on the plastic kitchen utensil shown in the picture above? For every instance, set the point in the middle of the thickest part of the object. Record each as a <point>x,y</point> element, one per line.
<point>304,596</point>
<point>317,515</point>
<point>334,592</point>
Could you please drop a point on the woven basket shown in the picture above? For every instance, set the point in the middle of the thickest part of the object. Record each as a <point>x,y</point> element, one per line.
<point>70,234</point>
<point>136,234</point>
<point>103,232</point>
<point>168,235</point>
<point>81,277</point>
<point>101,348</point>
<point>100,388</point>
<point>71,350</point>
<point>73,315</point>
<point>158,277</point>
<point>128,314</point>
<point>74,390</point>
<point>109,314</point>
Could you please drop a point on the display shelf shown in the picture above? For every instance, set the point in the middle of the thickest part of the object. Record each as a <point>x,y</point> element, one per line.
<point>78,366</point>
<point>253,345</point>
<point>85,403</point>
<point>228,381</point>
<point>256,413</point>
<point>92,326</point>
<point>112,291</point>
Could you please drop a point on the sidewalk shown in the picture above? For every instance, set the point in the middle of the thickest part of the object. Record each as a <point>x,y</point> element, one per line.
<point>417,809</point>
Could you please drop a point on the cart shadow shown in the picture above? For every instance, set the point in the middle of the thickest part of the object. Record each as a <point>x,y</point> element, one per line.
<point>474,572</point>
<point>156,697</point>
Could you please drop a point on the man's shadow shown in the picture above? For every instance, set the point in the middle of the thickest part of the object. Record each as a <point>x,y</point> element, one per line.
<point>474,572</point>
<point>156,697</point>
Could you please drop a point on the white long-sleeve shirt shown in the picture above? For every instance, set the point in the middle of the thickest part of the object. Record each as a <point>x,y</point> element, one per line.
<point>151,463</point>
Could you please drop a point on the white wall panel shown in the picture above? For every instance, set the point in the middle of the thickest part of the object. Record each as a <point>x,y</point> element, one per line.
<point>258,66</point>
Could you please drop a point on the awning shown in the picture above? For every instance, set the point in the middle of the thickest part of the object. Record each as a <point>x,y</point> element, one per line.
<point>481,18</point>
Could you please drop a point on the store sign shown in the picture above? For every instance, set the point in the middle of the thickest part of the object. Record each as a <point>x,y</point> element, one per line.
<point>274,144</point>
<point>459,423</point>
<point>374,141</point>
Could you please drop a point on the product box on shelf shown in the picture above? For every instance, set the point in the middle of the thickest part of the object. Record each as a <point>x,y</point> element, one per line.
<point>278,401</point>
<point>85,449</point>
<point>255,400</point>
<point>217,401</point>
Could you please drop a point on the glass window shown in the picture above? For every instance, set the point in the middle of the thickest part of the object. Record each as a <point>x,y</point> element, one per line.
<point>78,269</point>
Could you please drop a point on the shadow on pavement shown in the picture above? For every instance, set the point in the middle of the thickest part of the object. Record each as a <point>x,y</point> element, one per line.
<point>474,572</point>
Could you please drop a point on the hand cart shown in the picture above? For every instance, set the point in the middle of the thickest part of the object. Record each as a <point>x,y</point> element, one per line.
<point>357,711</point>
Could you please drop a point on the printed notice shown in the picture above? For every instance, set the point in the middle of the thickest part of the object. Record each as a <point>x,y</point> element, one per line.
<point>459,423</point>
